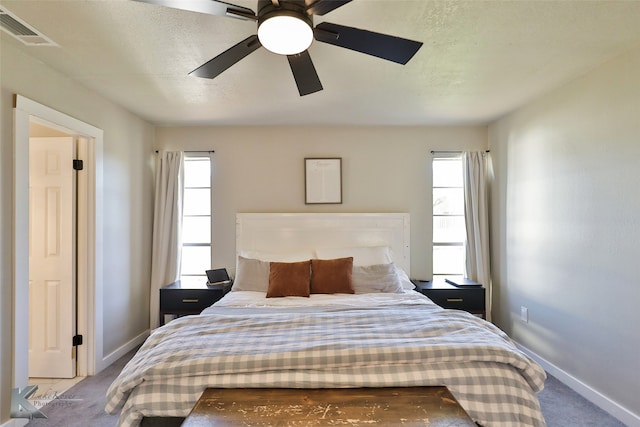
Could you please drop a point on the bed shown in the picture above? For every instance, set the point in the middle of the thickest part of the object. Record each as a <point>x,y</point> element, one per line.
<point>383,334</point>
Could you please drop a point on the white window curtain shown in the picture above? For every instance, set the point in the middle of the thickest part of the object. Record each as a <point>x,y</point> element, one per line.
<point>476,167</point>
<point>167,224</point>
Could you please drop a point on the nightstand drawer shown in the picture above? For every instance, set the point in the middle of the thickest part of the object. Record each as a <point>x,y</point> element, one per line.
<point>471,299</point>
<point>467,299</point>
<point>187,300</point>
<point>190,298</point>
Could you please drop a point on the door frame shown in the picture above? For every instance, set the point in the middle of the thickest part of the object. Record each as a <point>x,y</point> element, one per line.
<point>89,355</point>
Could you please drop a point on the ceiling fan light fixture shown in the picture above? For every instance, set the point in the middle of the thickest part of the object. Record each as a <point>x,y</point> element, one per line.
<point>285,34</point>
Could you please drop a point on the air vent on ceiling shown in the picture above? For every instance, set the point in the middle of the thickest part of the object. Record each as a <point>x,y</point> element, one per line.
<point>22,31</point>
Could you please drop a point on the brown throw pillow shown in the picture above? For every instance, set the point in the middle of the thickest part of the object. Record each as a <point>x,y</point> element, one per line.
<point>289,279</point>
<point>332,276</point>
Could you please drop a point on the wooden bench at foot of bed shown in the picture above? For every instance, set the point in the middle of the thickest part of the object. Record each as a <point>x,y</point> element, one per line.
<point>406,406</point>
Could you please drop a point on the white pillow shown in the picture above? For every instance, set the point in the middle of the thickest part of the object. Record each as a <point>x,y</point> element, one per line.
<point>376,278</point>
<point>293,256</point>
<point>362,255</point>
<point>251,275</point>
<point>407,284</point>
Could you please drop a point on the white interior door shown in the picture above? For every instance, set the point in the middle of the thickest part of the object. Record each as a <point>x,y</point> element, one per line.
<point>52,306</point>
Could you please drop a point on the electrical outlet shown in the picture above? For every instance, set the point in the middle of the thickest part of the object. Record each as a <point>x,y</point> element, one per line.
<point>524,314</point>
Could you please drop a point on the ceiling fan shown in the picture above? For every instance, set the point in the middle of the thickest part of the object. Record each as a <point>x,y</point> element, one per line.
<point>286,27</point>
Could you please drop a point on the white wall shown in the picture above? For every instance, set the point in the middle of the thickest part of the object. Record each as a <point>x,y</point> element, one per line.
<point>261,169</point>
<point>127,199</point>
<point>566,229</point>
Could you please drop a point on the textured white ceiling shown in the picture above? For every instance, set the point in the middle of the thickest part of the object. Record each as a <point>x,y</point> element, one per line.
<point>480,59</point>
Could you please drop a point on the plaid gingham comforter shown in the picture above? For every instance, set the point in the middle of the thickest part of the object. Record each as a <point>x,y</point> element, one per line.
<point>410,345</point>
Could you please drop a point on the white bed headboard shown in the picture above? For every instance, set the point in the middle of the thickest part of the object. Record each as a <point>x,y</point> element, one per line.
<point>287,232</point>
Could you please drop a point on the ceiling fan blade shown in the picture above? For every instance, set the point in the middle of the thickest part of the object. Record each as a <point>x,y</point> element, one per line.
<point>322,7</point>
<point>383,46</point>
<point>226,59</point>
<point>305,73</point>
<point>211,7</point>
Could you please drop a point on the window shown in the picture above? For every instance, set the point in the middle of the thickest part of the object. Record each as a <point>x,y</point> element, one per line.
<point>449,233</point>
<point>196,219</point>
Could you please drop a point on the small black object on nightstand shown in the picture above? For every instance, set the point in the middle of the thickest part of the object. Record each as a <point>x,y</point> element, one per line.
<point>218,276</point>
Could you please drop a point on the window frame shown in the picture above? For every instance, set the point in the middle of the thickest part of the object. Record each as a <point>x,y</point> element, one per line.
<point>455,244</point>
<point>201,276</point>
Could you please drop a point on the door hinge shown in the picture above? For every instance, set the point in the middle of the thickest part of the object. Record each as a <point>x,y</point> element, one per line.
<point>78,165</point>
<point>77,340</point>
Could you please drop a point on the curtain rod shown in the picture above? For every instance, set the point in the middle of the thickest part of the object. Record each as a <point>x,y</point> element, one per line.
<point>451,152</point>
<point>195,151</point>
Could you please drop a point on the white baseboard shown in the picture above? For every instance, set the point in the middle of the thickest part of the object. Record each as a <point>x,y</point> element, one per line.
<point>124,349</point>
<point>584,390</point>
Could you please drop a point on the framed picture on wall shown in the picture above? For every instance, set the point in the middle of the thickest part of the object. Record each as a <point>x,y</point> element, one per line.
<point>323,180</point>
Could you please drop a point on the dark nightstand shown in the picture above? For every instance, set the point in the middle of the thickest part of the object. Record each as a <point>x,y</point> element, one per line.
<point>471,299</point>
<point>182,299</point>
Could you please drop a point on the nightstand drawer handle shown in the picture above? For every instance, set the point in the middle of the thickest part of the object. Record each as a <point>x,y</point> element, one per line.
<point>190,300</point>
<point>455,299</point>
